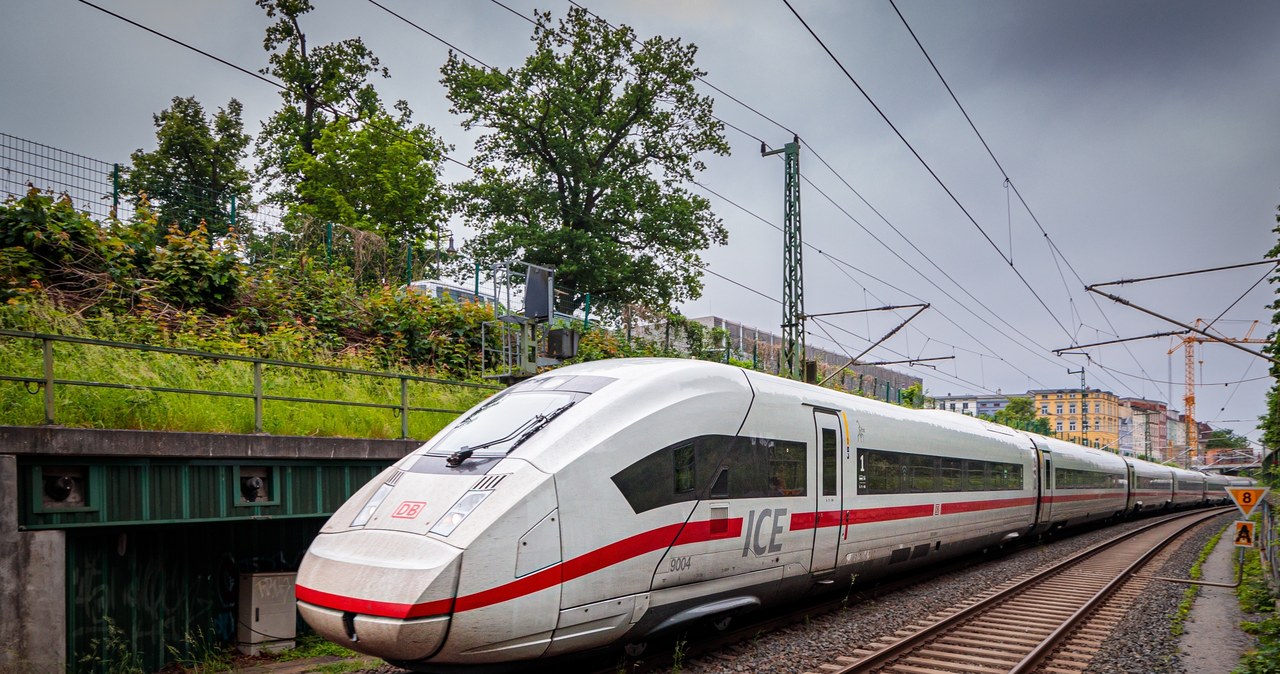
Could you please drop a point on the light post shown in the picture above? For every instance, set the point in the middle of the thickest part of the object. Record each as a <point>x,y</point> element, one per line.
<point>450,251</point>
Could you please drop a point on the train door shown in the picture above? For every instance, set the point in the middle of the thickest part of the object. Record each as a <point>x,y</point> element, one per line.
<point>1132,487</point>
<point>1044,486</point>
<point>828,506</point>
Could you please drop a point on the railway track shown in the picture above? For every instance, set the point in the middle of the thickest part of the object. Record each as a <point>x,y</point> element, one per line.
<point>1052,620</point>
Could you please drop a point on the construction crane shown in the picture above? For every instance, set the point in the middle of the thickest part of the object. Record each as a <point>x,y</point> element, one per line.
<point>1188,344</point>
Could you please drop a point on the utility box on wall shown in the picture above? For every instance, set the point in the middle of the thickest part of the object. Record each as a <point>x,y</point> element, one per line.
<point>268,612</point>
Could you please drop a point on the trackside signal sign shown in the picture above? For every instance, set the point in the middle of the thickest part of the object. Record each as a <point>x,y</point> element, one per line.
<point>1244,537</point>
<point>1247,498</point>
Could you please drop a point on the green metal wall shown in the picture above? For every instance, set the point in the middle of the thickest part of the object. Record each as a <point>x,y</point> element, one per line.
<point>155,546</point>
<point>157,585</point>
<point>163,491</point>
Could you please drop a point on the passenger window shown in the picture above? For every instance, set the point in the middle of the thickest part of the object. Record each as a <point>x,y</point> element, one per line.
<point>922,473</point>
<point>975,475</point>
<point>879,472</point>
<point>682,464</point>
<point>949,474</point>
<point>787,469</point>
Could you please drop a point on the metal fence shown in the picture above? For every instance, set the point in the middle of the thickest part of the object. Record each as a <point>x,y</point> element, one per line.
<point>48,381</point>
<point>1269,540</point>
<point>93,185</point>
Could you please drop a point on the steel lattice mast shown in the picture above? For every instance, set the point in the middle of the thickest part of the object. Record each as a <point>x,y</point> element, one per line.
<point>791,360</point>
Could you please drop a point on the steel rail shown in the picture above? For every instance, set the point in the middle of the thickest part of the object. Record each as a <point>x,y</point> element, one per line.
<point>905,645</point>
<point>1058,636</point>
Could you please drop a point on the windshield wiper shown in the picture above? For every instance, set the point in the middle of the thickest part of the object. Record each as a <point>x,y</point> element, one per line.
<point>521,433</point>
<point>540,421</point>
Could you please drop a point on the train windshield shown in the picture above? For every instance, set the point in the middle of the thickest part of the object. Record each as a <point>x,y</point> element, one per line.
<point>505,422</point>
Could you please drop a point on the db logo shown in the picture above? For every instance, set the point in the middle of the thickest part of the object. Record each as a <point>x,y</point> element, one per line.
<point>409,509</point>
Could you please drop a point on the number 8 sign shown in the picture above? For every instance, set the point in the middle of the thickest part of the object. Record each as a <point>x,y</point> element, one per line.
<point>1247,498</point>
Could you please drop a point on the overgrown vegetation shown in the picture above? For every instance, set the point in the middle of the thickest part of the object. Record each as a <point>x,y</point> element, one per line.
<point>1256,597</point>
<point>315,646</point>
<point>1192,591</point>
<point>201,653</point>
<point>112,652</point>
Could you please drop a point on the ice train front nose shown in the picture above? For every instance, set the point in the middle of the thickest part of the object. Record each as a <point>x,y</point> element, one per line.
<point>386,593</point>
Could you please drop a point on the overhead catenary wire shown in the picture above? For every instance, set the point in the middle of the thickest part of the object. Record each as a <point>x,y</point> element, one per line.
<point>245,71</point>
<point>842,262</point>
<point>1053,247</point>
<point>757,138</point>
<point>829,167</point>
<point>259,76</point>
<point>928,168</point>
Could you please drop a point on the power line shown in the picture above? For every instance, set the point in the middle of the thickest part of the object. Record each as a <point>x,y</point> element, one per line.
<point>1174,383</point>
<point>859,195</point>
<point>928,168</point>
<point>437,38</point>
<point>876,211</point>
<point>279,85</point>
<point>991,352</point>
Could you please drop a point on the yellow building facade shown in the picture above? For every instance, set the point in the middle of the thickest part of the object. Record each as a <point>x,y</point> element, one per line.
<point>1090,417</point>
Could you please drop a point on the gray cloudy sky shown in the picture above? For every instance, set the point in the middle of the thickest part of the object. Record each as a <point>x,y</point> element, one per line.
<point>1142,135</point>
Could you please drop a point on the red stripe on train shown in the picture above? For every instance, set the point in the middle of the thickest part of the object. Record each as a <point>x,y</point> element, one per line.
<point>371,607</point>
<point>835,518</point>
<point>614,553</point>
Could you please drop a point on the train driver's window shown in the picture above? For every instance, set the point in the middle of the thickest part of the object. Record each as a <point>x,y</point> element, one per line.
<point>720,488</point>
<point>682,464</point>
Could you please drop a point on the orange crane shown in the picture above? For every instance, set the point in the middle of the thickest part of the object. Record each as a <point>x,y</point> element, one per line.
<point>1189,399</point>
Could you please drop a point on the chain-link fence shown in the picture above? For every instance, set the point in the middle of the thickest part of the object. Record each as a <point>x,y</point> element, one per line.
<point>99,188</point>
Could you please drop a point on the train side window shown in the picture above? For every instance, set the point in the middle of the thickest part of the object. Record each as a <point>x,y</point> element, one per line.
<point>975,475</point>
<point>1006,476</point>
<point>881,472</point>
<point>830,465</point>
<point>787,469</point>
<point>923,473</point>
<point>682,468</point>
<point>950,473</point>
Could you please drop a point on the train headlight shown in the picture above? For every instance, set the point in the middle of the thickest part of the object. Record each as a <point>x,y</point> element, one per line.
<point>372,506</point>
<point>458,512</point>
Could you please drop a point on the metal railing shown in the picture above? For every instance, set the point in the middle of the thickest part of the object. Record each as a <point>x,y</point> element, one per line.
<point>48,381</point>
<point>1269,539</point>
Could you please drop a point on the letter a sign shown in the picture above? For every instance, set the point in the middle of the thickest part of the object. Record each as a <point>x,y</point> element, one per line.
<point>1244,534</point>
<point>1247,498</point>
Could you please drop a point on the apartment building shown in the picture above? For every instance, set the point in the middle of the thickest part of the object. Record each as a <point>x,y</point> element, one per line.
<point>972,405</point>
<point>1089,417</point>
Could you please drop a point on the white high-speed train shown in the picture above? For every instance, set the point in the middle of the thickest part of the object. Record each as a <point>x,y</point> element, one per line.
<point>608,502</point>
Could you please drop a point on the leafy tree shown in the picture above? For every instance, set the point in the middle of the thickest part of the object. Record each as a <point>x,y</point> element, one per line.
<point>1270,421</point>
<point>194,174</point>
<point>913,395</point>
<point>1021,413</point>
<point>589,144</point>
<point>381,176</point>
<point>1223,438</point>
<point>320,83</point>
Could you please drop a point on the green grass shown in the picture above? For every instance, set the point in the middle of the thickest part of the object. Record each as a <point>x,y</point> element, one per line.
<point>1189,595</point>
<point>1256,597</point>
<point>92,407</point>
<point>315,646</point>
